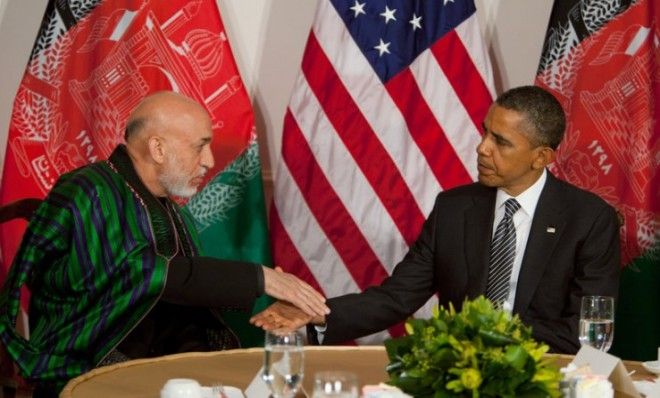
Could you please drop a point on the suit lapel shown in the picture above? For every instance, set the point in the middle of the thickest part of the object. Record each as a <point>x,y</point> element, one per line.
<point>478,232</point>
<point>547,227</point>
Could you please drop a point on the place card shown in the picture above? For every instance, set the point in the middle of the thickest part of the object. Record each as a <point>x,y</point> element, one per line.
<point>607,365</point>
<point>257,387</point>
<point>655,389</point>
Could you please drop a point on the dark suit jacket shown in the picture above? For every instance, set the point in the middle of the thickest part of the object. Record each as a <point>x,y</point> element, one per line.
<point>450,257</point>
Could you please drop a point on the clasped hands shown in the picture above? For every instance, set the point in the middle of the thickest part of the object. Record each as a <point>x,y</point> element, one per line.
<point>299,303</point>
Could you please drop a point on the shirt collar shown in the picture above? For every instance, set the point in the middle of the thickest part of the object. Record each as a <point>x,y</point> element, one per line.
<point>528,199</point>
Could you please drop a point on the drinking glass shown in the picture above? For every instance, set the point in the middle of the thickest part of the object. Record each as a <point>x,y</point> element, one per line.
<point>283,363</point>
<point>335,384</point>
<point>597,322</point>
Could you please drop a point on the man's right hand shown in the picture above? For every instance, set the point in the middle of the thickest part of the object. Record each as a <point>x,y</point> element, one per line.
<point>284,317</point>
<point>287,287</point>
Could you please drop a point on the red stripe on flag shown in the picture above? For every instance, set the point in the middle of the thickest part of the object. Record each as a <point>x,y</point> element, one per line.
<point>286,254</point>
<point>426,131</point>
<point>337,224</point>
<point>470,88</point>
<point>361,141</point>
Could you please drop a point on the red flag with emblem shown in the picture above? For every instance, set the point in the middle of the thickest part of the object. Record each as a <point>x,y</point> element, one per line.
<point>92,63</point>
<point>601,59</point>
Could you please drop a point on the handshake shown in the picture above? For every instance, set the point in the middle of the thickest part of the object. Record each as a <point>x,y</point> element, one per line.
<point>298,305</point>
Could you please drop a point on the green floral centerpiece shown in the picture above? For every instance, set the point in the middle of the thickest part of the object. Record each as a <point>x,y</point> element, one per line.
<point>480,351</point>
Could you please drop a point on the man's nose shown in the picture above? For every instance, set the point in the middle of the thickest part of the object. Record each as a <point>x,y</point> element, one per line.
<point>482,148</point>
<point>207,158</point>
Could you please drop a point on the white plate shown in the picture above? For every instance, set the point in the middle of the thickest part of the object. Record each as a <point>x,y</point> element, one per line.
<point>652,366</point>
<point>230,392</point>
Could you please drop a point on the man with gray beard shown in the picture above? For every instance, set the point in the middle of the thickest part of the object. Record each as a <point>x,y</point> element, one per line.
<point>114,265</point>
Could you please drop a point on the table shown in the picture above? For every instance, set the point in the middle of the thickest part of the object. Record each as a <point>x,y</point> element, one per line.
<point>143,378</point>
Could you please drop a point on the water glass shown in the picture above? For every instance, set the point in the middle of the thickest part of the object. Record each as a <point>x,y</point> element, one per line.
<point>597,322</point>
<point>283,363</point>
<point>335,384</point>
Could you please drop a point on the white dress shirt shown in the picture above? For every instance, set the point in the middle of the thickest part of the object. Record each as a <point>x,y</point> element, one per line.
<point>522,221</point>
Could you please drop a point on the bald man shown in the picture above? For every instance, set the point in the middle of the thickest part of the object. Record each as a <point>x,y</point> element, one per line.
<point>114,264</point>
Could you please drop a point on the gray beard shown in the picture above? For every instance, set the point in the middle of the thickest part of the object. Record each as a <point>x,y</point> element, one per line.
<point>176,185</point>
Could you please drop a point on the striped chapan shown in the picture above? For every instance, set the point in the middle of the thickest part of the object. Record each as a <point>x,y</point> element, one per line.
<point>385,113</point>
<point>91,64</point>
<point>95,257</point>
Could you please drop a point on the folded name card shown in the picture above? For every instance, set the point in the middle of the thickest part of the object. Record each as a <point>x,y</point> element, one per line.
<point>257,387</point>
<point>607,365</point>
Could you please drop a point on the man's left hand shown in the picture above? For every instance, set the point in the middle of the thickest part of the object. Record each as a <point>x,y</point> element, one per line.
<point>283,317</point>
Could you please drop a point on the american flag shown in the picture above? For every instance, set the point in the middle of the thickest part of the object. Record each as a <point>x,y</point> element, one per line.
<point>385,113</point>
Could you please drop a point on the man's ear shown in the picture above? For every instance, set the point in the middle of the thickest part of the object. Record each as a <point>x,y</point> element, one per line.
<point>156,149</point>
<point>544,156</point>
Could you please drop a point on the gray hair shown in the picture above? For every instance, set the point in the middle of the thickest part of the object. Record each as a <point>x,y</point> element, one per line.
<point>133,127</point>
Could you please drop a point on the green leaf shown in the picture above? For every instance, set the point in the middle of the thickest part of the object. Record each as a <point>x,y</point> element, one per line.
<point>440,325</point>
<point>533,392</point>
<point>491,337</point>
<point>417,324</point>
<point>412,385</point>
<point>443,394</point>
<point>444,357</point>
<point>399,346</point>
<point>415,373</point>
<point>516,356</point>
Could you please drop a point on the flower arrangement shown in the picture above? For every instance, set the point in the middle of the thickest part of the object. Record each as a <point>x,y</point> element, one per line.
<point>480,351</point>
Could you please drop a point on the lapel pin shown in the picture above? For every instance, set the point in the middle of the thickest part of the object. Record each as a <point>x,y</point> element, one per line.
<point>550,230</point>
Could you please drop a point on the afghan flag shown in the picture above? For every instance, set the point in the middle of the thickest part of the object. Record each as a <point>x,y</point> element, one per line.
<point>601,59</point>
<point>92,63</point>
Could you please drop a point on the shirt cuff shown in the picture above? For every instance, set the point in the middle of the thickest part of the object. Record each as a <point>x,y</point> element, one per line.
<point>260,281</point>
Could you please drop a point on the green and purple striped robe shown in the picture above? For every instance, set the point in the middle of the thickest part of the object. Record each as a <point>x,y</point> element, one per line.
<point>95,258</point>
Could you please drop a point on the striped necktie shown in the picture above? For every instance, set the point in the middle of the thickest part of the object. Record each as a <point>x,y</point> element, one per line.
<point>502,254</point>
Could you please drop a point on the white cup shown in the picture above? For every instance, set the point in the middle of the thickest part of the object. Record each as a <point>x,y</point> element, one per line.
<point>181,388</point>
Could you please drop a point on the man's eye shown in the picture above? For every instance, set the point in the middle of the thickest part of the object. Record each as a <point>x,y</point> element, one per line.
<point>501,141</point>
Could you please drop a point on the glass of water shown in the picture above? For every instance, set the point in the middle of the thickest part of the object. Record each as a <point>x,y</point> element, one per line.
<point>335,384</point>
<point>597,322</point>
<point>283,363</point>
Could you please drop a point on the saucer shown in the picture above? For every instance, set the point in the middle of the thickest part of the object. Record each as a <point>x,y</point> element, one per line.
<point>652,366</point>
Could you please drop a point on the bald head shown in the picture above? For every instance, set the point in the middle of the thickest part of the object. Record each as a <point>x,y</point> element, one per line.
<point>159,108</point>
<point>168,137</point>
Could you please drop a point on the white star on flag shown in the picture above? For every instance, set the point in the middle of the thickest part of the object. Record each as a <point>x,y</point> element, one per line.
<point>383,48</point>
<point>358,8</point>
<point>448,1</point>
<point>388,14</point>
<point>416,22</point>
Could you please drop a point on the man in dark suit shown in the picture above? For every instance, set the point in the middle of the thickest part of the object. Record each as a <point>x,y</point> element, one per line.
<point>535,255</point>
